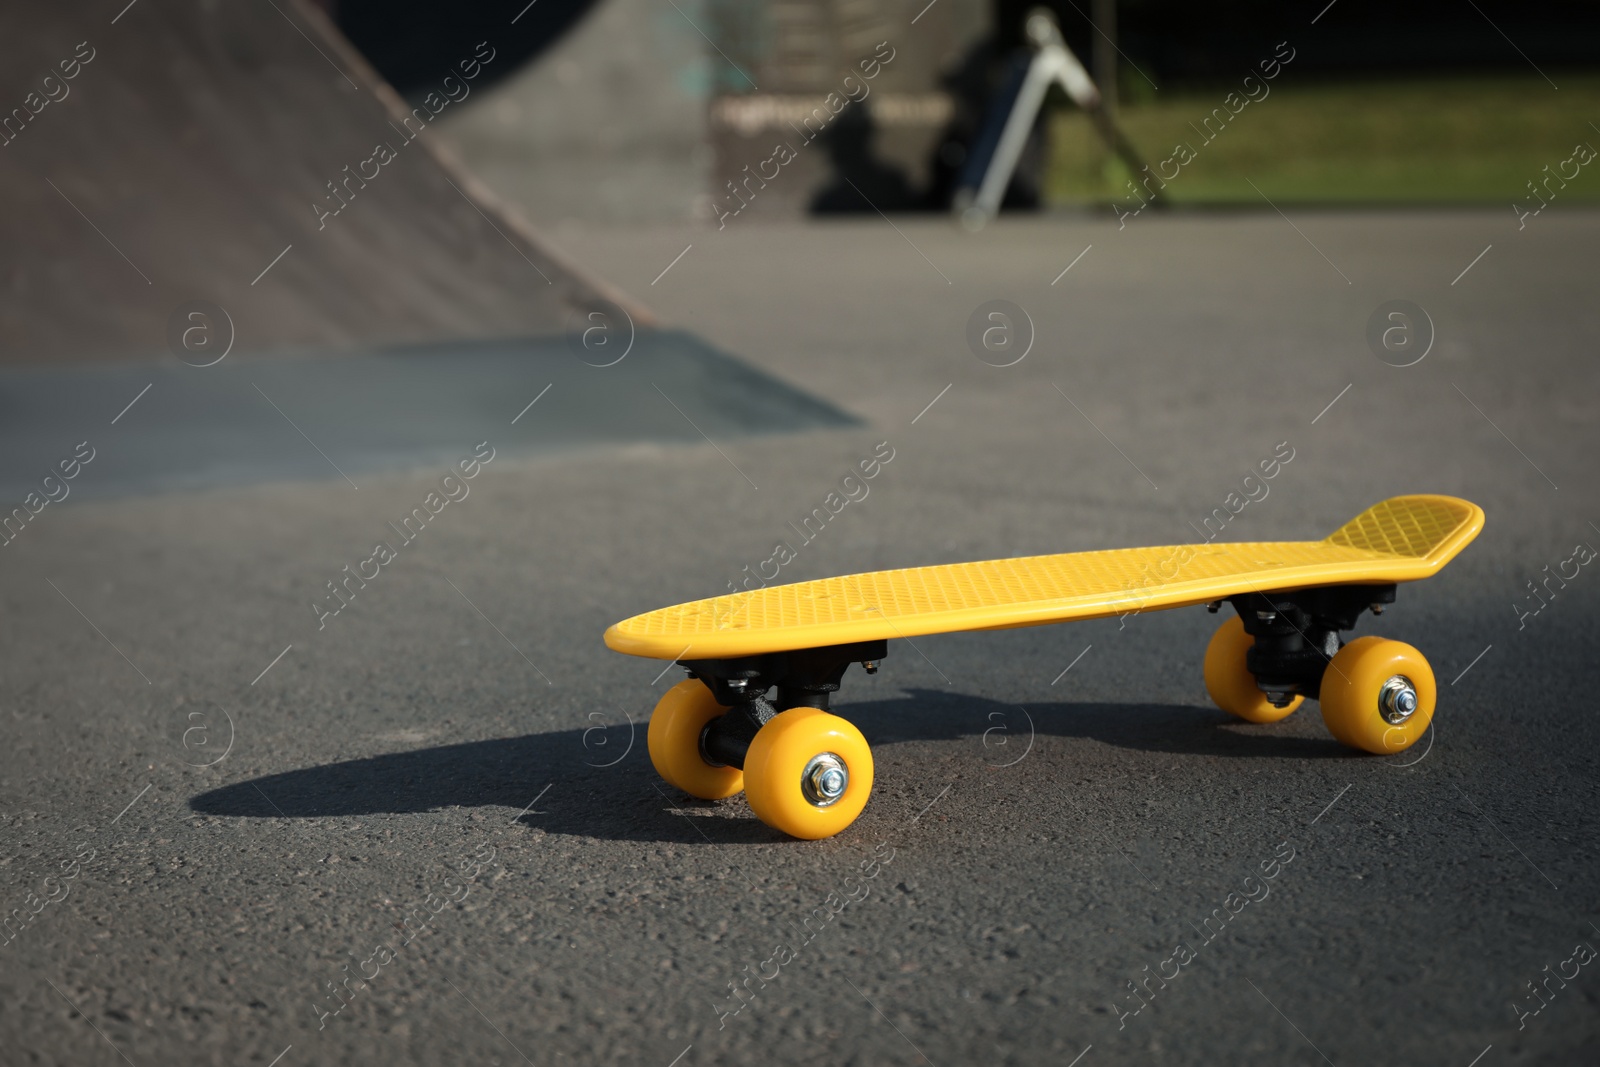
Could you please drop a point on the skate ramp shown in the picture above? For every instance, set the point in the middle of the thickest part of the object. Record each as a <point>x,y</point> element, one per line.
<point>177,150</point>
<point>366,304</point>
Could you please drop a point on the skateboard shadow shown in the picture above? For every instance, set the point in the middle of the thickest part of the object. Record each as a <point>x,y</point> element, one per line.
<point>940,715</point>
<point>599,783</point>
<point>583,783</point>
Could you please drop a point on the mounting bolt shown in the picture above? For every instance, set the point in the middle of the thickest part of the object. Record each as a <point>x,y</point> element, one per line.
<point>1397,700</point>
<point>824,779</point>
<point>1266,616</point>
<point>871,666</point>
<point>1214,607</point>
<point>737,683</point>
<point>1376,609</point>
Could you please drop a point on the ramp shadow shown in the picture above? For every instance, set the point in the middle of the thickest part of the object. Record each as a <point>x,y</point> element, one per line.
<point>588,783</point>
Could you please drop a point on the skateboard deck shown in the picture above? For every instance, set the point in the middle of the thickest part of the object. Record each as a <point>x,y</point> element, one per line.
<point>1399,540</point>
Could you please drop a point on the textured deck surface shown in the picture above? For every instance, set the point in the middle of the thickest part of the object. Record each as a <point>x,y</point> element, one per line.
<point>1400,539</point>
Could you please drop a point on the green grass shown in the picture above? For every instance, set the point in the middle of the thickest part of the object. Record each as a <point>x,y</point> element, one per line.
<point>1478,140</point>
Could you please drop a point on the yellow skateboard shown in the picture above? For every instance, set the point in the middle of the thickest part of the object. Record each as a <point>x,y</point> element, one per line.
<point>808,773</point>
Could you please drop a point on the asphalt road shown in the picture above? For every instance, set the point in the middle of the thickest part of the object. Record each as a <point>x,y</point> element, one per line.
<point>1057,810</point>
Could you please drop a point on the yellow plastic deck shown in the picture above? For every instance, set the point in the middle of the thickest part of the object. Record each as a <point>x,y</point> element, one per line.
<point>1400,540</point>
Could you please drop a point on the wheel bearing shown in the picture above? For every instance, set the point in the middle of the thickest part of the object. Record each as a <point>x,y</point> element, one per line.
<point>1397,700</point>
<point>824,779</point>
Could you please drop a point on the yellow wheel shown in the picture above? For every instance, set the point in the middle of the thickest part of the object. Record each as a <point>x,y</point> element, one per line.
<point>1378,695</point>
<point>808,773</point>
<point>674,741</point>
<point>1230,683</point>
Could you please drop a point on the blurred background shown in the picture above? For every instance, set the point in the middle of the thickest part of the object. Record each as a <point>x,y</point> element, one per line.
<point>626,110</point>
<point>230,124</point>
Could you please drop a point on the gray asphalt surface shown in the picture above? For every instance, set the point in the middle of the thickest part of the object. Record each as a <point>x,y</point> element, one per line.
<point>1039,835</point>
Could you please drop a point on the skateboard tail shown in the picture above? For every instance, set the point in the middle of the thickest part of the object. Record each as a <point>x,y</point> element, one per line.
<point>1430,529</point>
